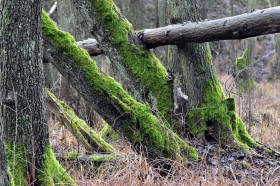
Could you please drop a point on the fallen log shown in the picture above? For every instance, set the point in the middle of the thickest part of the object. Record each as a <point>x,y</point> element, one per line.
<point>78,127</point>
<point>254,23</point>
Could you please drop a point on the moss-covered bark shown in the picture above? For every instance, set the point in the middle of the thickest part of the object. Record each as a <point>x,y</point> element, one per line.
<point>133,119</point>
<point>88,137</point>
<point>113,32</point>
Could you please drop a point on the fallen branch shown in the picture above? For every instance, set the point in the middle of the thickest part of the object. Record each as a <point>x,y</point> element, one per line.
<point>79,128</point>
<point>96,158</point>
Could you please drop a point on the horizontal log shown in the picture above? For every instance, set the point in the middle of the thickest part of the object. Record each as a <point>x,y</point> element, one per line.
<point>258,22</point>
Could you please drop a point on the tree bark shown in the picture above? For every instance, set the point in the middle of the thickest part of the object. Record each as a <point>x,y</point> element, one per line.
<point>30,158</point>
<point>236,27</point>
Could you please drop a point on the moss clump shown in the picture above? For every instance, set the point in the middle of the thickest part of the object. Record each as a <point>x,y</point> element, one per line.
<point>144,127</point>
<point>143,64</point>
<point>52,173</point>
<point>17,164</point>
<point>269,151</point>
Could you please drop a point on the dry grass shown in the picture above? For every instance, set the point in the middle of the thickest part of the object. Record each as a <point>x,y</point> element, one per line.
<point>134,169</point>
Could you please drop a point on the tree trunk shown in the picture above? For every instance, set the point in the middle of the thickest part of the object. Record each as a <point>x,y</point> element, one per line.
<point>30,158</point>
<point>200,104</point>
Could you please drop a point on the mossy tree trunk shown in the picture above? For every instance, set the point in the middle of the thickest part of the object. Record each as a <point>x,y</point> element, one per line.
<point>30,158</point>
<point>206,112</point>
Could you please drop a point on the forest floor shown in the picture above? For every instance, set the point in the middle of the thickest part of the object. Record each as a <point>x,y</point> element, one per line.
<point>216,166</point>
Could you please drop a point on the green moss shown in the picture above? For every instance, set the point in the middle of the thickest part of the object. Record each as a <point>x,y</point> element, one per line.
<point>230,104</point>
<point>107,130</point>
<point>269,151</point>
<point>217,115</point>
<point>104,131</point>
<point>11,180</point>
<point>150,132</point>
<point>243,61</point>
<point>17,164</point>
<point>143,64</point>
<point>241,133</point>
<point>52,173</point>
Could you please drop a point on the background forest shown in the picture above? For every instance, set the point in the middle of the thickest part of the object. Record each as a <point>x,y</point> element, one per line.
<point>257,102</point>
